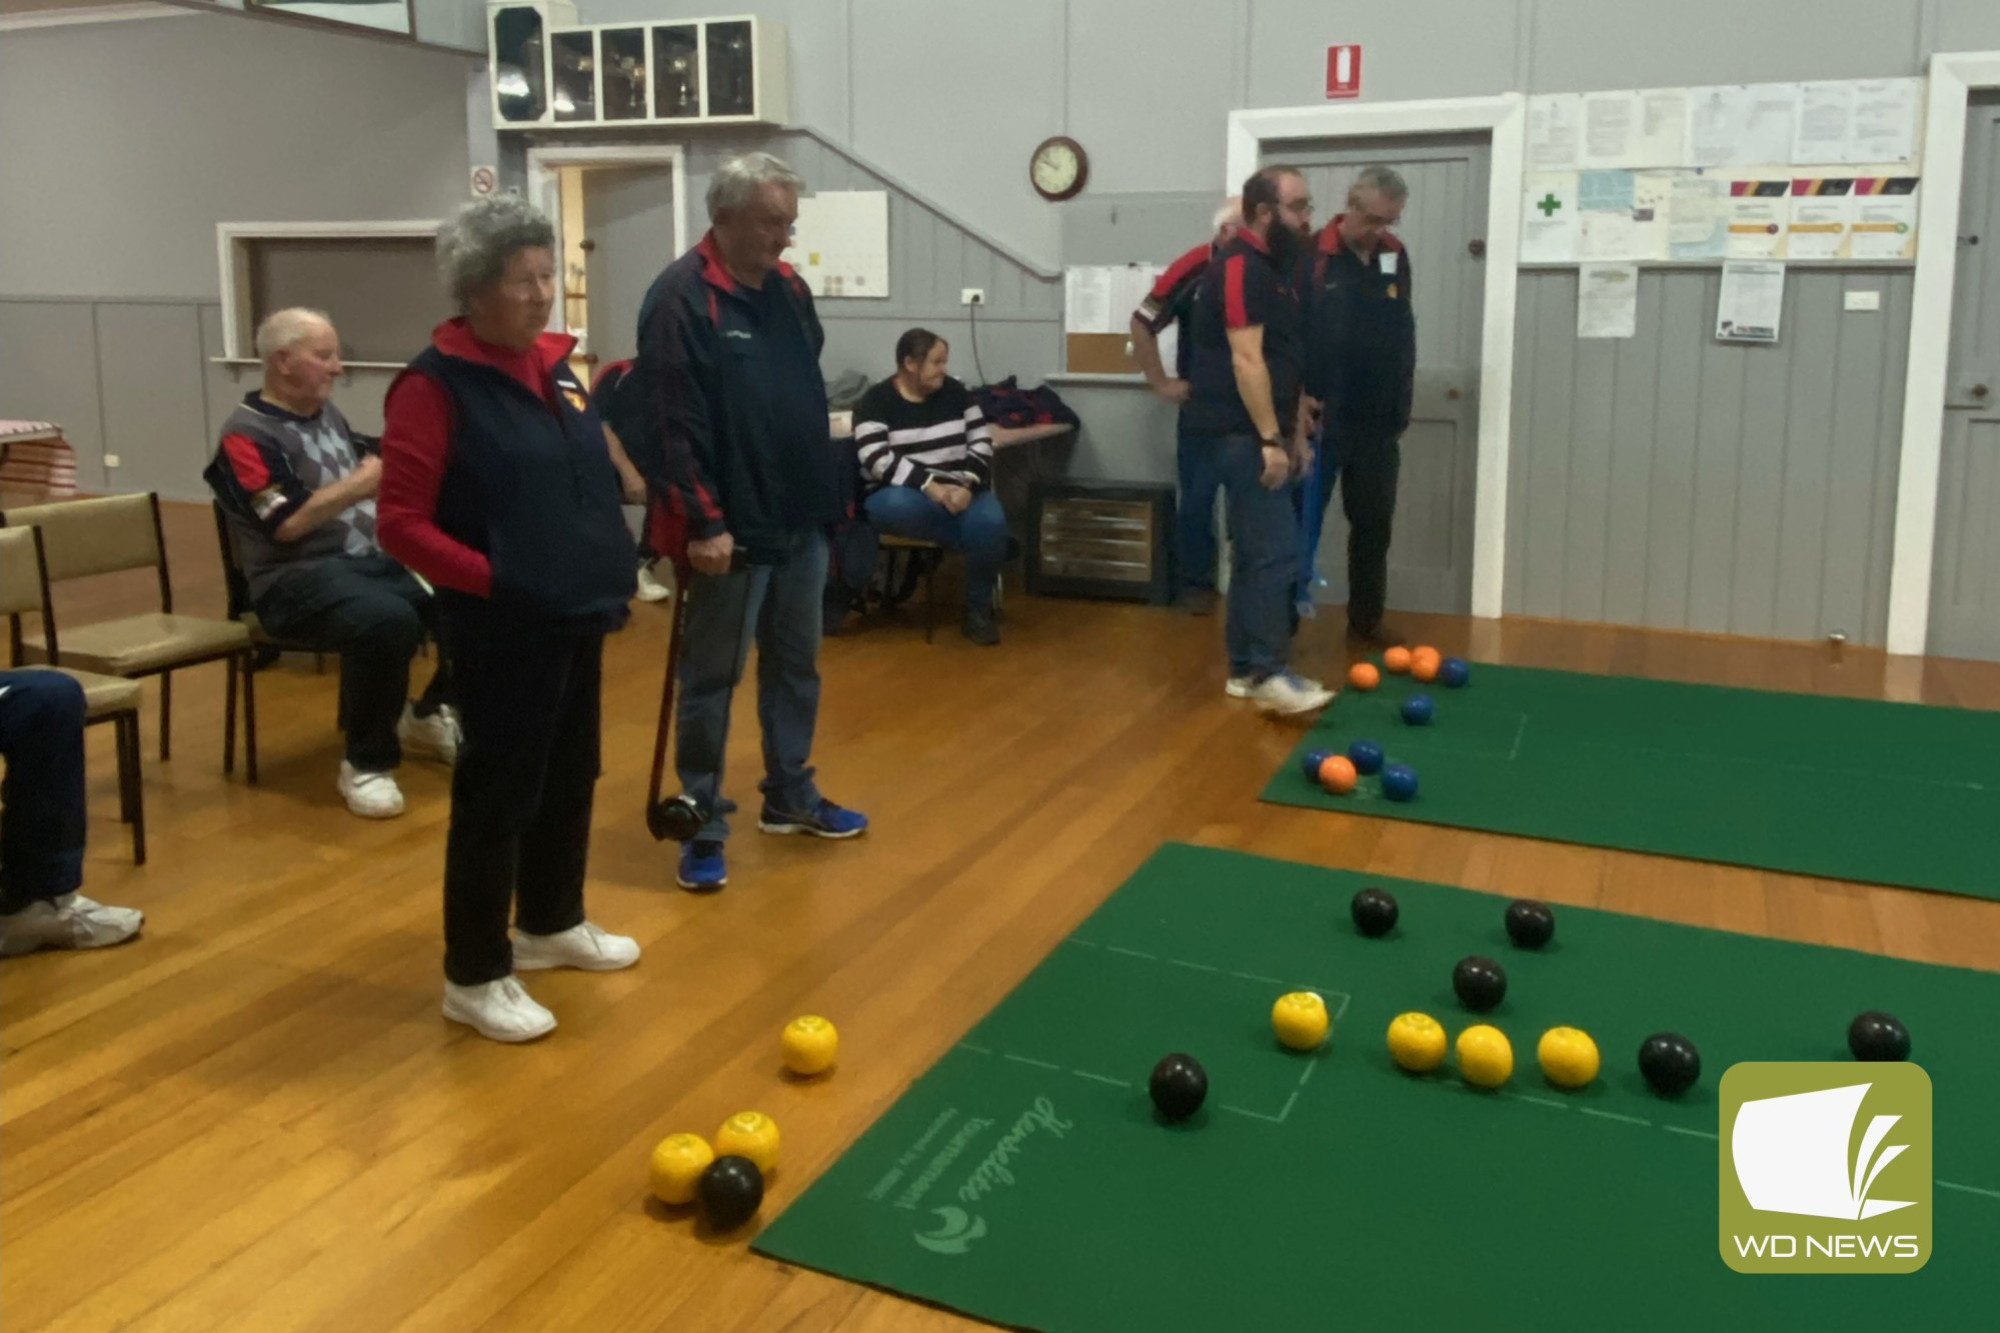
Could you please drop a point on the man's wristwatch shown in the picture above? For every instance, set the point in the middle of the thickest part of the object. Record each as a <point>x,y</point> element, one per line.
<point>1272,442</point>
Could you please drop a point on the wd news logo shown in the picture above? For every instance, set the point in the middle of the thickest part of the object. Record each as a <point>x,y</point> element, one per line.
<point>1826,1168</point>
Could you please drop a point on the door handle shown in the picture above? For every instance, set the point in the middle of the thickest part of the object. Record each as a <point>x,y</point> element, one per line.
<point>590,358</point>
<point>1453,394</point>
<point>1980,391</point>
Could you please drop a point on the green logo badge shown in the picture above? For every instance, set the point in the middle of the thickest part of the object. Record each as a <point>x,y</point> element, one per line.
<point>1826,1168</point>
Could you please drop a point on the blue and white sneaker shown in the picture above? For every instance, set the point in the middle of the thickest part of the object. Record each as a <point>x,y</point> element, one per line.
<point>702,866</point>
<point>1289,693</point>
<point>825,820</point>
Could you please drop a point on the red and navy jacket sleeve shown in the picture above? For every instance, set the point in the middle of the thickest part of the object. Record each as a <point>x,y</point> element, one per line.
<point>420,421</point>
<point>664,418</point>
<point>256,482</point>
<point>1173,289</point>
<point>1249,300</point>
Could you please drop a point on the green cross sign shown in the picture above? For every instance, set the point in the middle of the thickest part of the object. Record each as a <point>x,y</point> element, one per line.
<point>1548,204</point>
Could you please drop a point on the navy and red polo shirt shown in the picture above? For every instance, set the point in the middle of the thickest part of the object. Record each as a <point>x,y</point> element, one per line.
<point>1171,300</point>
<point>1242,287</point>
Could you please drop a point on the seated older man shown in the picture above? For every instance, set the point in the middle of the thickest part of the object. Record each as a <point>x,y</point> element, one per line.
<point>298,486</point>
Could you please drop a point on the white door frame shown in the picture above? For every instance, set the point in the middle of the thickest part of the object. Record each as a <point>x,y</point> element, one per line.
<point>1953,76</point>
<point>544,187</point>
<point>1502,118</point>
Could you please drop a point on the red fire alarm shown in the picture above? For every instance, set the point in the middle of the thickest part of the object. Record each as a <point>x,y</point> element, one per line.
<point>1343,71</point>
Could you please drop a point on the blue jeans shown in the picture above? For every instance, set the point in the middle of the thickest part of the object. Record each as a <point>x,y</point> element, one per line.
<point>779,607</point>
<point>980,532</point>
<point>1201,476</point>
<point>41,798</point>
<point>1264,562</point>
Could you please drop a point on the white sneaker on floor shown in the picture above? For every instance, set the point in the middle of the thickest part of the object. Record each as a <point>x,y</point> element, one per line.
<point>502,1010</point>
<point>433,737</point>
<point>370,795</point>
<point>582,946</point>
<point>69,922</point>
<point>1287,692</point>
<point>650,588</point>
<point>1239,687</point>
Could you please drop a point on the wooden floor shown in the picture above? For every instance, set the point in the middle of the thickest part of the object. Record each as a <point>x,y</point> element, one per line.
<point>254,1117</point>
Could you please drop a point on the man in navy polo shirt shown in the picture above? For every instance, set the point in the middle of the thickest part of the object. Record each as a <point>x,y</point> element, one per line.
<point>1360,369</point>
<point>725,415</point>
<point>1169,304</point>
<point>1243,404</point>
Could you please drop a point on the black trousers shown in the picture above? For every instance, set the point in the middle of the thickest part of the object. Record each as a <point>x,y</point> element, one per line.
<point>371,611</point>
<point>1369,460</point>
<point>41,796</point>
<point>521,793</point>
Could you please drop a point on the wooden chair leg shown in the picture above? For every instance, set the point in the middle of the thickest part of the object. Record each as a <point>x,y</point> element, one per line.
<point>229,712</point>
<point>250,728</point>
<point>129,776</point>
<point>166,715</point>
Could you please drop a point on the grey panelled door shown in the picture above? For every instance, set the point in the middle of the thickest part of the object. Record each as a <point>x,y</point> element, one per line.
<point>1430,559</point>
<point>1965,581</point>
<point>628,222</point>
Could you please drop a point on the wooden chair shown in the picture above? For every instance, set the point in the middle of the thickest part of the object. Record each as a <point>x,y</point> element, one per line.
<point>236,589</point>
<point>24,589</point>
<point>123,532</point>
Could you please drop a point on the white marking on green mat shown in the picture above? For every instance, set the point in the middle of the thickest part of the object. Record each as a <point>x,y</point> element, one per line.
<point>1100,1078</point>
<point>1132,953</point>
<point>976,1050</point>
<point>1968,1189</point>
<point>1024,1060</point>
<point>1199,967</point>
<point>1613,1115</point>
<point>1693,1133</point>
<point>1539,1101</point>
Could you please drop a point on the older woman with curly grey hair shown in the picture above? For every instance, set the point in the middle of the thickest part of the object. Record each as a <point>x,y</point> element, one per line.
<point>498,487</point>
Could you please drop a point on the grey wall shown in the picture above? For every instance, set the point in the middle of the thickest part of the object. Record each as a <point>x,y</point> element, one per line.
<point>952,98</point>
<point>133,378</point>
<point>1674,481</point>
<point>931,259</point>
<point>127,142</point>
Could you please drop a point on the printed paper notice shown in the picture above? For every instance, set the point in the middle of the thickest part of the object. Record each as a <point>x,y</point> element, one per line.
<point>1652,196</point>
<point>1770,119</point>
<point>1662,128</point>
<point>1549,219</point>
<point>1752,300</point>
<point>1885,121</point>
<point>1610,129</point>
<point>1758,211</point>
<point>1607,301</point>
<point>1715,119</point>
<point>1884,225</point>
<point>1821,211</point>
<point>1605,199</point>
<point>1552,132</point>
<point>1087,301</point>
<point>1825,131</point>
<point>1698,218</point>
<point>840,244</point>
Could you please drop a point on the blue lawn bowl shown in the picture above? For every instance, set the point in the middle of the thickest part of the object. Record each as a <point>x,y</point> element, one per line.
<point>1366,756</point>
<point>1418,710</point>
<point>1453,673</point>
<point>1399,782</point>
<point>1310,761</point>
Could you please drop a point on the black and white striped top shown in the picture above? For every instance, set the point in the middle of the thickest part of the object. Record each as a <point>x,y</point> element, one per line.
<point>943,438</point>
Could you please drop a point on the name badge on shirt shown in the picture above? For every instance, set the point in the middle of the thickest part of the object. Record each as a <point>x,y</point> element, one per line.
<point>1387,259</point>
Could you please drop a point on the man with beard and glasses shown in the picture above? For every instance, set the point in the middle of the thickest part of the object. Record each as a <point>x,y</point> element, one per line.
<point>1243,402</point>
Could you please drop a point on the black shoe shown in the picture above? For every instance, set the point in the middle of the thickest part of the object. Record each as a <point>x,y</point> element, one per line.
<point>1376,636</point>
<point>979,628</point>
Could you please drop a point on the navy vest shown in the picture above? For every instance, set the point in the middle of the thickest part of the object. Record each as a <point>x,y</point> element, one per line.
<point>536,493</point>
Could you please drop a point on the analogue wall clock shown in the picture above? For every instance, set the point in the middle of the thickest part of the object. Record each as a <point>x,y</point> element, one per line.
<point>1058,168</point>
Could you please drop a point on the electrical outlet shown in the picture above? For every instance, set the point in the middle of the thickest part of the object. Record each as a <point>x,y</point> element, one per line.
<point>972,296</point>
<point>1864,300</point>
<point>111,460</point>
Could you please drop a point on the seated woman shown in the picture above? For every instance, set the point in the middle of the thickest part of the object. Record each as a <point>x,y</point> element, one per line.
<point>927,463</point>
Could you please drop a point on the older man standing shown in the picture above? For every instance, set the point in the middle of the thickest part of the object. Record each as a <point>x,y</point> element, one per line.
<point>298,487</point>
<point>1361,359</point>
<point>726,416</point>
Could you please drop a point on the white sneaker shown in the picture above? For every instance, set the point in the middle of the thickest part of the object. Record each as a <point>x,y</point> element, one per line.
<point>433,737</point>
<point>650,588</point>
<point>583,946</point>
<point>502,1010</point>
<point>69,922</point>
<point>370,795</point>
<point>1287,692</point>
<point>1239,687</point>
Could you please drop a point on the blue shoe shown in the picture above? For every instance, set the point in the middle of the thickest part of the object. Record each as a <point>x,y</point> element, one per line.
<point>702,866</point>
<point>825,820</point>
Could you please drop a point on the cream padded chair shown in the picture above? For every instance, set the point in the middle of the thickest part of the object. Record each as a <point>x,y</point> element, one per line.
<point>24,591</point>
<point>122,532</point>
